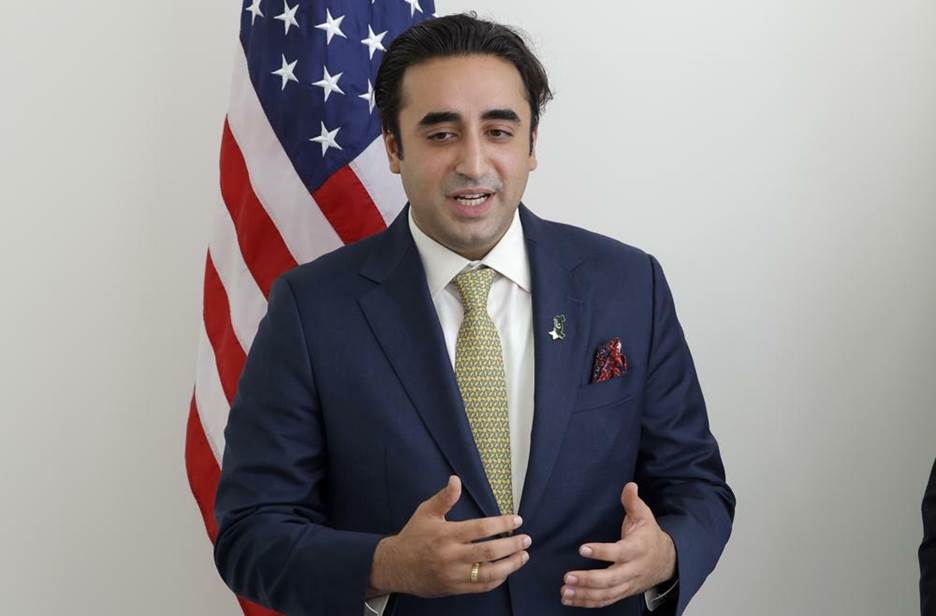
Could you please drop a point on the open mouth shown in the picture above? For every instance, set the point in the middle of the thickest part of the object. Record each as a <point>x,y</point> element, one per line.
<point>473,200</point>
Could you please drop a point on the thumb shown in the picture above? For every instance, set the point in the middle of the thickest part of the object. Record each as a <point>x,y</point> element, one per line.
<point>634,507</point>
<point>442,501</point>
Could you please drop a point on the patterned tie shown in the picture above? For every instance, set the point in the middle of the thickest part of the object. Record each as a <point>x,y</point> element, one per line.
<point>479,368</point>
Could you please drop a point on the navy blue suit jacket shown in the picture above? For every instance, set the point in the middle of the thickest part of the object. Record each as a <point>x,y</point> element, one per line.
<point>348,415</point>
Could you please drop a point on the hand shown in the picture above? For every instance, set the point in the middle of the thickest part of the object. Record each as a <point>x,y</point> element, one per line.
<point>432,557</point>
<point>644,557</point>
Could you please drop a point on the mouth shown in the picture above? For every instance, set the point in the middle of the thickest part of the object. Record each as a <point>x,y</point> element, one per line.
<point>474,199</point>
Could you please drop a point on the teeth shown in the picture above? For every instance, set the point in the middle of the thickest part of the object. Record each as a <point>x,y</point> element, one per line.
<point>472,200</point>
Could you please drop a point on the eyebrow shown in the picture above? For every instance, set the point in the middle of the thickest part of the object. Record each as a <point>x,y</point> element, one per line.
<point>508,115</point>
<point>440,117</point>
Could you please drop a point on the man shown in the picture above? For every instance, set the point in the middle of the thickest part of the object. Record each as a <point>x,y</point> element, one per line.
<point>407,395</point>
<point>928,549</point>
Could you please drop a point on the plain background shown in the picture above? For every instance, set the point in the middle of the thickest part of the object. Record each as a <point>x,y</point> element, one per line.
<point>778,157</point>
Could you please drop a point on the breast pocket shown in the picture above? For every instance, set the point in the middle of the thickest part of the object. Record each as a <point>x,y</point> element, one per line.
<point>614,391</point>
<point>602,435</point>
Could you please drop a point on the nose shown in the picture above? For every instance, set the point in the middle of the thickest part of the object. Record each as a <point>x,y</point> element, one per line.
<point>472,158</point>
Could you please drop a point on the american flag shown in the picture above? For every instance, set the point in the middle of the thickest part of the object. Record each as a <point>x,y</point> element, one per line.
<point>303,171</point>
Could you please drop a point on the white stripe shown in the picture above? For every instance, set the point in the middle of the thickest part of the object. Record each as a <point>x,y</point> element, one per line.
<point>384,187</point>
<point>299,220</point>
<point>248,305</point>
<point>212,404</point>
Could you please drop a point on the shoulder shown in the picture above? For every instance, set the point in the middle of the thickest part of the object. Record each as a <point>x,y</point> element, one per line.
<point>596,254</point>
<point>593,245</point>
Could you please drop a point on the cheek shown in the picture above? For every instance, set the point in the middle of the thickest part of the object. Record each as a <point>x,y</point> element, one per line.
<point>516,158</point>
<point>428,173</point>
<point>416,178</point>
<point>514,170</point>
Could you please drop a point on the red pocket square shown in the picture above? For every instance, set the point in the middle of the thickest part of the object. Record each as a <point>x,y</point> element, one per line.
<point>609,361</point>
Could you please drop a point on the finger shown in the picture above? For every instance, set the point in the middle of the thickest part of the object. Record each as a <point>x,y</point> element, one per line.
<point>482,528</point>
<point>615,575</point>
<point>635,508</point>
<point>608,552</point>
<point>442,501</point>
<point>495,549</point>
<point>590,597</point>
<point>492,575</point>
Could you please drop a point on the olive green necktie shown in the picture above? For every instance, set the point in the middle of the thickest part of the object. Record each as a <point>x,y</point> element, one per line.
<point>479,368</point>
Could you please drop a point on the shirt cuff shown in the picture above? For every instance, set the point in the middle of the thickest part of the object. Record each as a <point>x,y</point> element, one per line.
<point>655,597</point>
<point>375,606</point>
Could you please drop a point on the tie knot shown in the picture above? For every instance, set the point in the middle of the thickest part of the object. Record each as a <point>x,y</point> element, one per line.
<point>474,286</point>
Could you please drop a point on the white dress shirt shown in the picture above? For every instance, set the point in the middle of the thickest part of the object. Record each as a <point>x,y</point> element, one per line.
<point>510,305</point>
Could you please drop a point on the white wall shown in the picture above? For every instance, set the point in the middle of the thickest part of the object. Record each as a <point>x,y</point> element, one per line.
<point>778,157</point>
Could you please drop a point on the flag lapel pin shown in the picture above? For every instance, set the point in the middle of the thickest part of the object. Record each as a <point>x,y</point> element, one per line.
<point>558,330</point>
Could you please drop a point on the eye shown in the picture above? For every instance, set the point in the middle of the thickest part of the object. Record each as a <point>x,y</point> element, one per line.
<point>498,133</point>
<point>441,137</point>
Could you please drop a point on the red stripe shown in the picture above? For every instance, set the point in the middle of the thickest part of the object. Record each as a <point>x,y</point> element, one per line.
<point>229,356</point>
<point>202,468</point>
<point>348,206</point>
<point>264,250</point>
<point>203,474</point>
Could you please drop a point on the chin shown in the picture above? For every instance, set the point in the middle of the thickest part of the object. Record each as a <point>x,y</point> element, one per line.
<point>475,242</point>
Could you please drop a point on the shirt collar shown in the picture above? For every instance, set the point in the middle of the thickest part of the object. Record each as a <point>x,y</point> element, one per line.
<point>508,257</point>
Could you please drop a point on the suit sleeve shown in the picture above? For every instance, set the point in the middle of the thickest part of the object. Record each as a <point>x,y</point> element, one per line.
<point>928,549</point>
<point>679,470</point>
<point>274,544</point>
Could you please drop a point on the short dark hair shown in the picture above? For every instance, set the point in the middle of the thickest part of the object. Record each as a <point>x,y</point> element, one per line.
<point>456,35</point>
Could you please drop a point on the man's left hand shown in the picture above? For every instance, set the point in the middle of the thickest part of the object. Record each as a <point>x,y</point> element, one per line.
<point>644,557</point>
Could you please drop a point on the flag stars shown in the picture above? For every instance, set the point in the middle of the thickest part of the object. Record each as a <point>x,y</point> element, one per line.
<point>327,139</point>
<point>369,96</point>
<point>331,26</point>
<point>254,10</point>
<point>329,83</point>
<point>373,41</point>
<point>414,6</point>
<point>288,16</point>
<point>285,72</point>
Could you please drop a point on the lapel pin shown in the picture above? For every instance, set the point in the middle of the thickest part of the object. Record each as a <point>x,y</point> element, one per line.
<point>558,330</point>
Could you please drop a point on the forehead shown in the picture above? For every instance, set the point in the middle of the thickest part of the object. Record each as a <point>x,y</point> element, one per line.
<point>468,85</point>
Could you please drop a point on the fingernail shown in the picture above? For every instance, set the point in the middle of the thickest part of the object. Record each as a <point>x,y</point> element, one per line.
<point>524,557</point>
<point>527,541</point>
<point>571,579</point>
<point>569,593</point>
<point>517,521</point>
<point>585,551</point>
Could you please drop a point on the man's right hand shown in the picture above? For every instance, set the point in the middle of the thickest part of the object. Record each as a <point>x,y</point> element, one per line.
<point>432,557</point>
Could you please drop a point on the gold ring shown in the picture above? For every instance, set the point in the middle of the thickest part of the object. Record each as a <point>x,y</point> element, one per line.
<point>475,568</point>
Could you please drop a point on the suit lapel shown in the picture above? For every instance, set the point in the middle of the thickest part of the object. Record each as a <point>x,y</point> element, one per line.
<point>401,313</point>
<point>559,364</point>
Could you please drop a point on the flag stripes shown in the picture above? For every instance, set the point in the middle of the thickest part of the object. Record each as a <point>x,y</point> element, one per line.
<point>229,355</point>
<point>348,206</point>
<point>247,302</point>
<point>263,247</point>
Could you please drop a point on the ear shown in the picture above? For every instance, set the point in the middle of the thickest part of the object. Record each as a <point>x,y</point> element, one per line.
<point>392,147</point>
<point>532,162</point>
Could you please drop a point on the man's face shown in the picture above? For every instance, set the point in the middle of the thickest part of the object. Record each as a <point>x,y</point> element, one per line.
<point>465,131</point>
